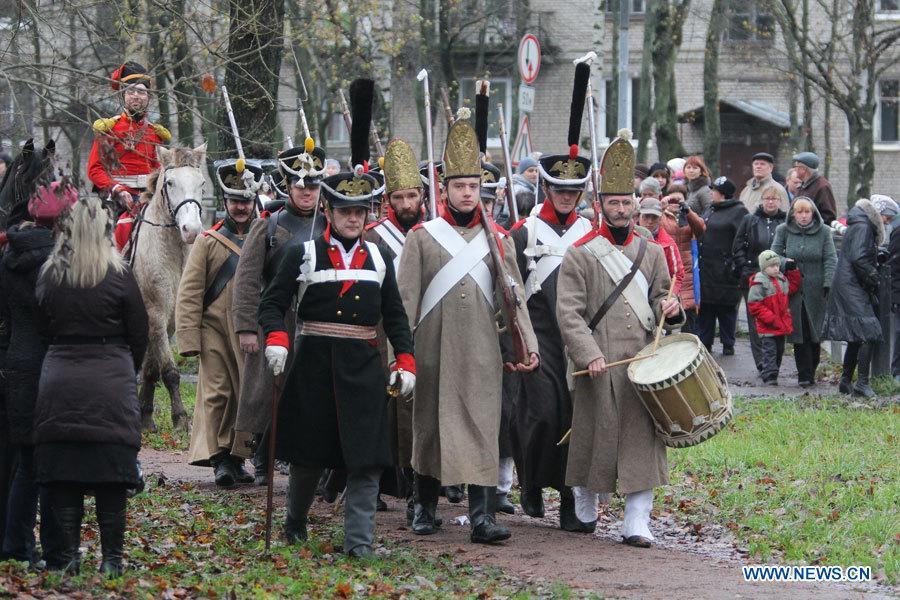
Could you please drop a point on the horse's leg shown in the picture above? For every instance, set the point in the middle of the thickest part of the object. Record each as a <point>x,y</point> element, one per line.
<point>148,388</point>
<point>172,380</point>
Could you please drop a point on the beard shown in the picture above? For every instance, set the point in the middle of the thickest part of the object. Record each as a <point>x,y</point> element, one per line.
<point>407,218</point>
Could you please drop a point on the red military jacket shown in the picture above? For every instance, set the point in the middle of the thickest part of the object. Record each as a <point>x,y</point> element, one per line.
<point>134,144</point>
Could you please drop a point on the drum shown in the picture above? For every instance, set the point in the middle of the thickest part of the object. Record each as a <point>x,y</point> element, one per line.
<point>684,390</point>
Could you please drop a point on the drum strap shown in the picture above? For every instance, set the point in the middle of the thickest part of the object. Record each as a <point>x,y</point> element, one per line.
<point>611,299</point>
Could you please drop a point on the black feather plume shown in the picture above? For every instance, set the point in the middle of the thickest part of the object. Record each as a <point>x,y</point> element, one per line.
<point>362,95</point>
<point>576,112</point>
<point>482,104</point>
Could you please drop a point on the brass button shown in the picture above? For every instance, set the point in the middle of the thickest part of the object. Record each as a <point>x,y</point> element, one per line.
<point>356,298</point>
<point>627,314</point>
<point>339,313</point>
<point>628,327</point>
<point>355,315</point>
<point>626,302</point>
<point>462,282</point>
<point>462,295</point>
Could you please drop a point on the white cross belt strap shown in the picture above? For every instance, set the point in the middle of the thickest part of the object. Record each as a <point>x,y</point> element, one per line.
<point>548,255</point>
<point>394,239</point>
<point>617,265</point>
<point>309,276</point>
<point>468,259</point>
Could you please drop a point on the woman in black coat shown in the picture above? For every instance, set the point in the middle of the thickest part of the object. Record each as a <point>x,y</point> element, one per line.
<point>87,418</point>
<point>755,234</point>
<point>720,289</point>
<point>851,314</point>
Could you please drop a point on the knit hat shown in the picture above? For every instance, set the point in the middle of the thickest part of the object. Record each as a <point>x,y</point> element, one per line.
<point>525,164</point>
<point>767,258</point>
<point>49,201</point>
<point>651,185</point>
<point>885,205</point>
<point>658,166</point>
<point>675,164</point>
<point>724,186</point>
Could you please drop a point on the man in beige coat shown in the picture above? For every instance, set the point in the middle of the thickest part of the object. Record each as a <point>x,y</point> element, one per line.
<point>446,280</point>
<point>204,326</point>
<point>763,165</point>
<point>613,439</point>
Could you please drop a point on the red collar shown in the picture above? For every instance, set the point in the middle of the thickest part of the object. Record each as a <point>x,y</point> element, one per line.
<point>392,217</point>
<point>548,214</point>
<point>445,214</point>
<point>605,232</point>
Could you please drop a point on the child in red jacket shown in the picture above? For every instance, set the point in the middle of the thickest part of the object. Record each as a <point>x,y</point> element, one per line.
<point>768,303</point>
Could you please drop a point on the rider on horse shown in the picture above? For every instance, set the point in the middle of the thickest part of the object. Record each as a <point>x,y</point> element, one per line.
<point>124,150</point>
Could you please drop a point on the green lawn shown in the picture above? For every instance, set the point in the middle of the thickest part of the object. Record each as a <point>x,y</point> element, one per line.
<point>811,481</point>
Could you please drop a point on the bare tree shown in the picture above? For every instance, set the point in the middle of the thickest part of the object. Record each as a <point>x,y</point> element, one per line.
<point>712,128</point>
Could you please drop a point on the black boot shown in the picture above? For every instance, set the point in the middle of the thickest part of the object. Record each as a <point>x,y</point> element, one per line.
<point>532,502</point>
<point>112,541</point>
<point>504,505</point>
<point>295,531</point>
<point>482,506</point>
<point>455,494</point>
<point>69,520</point>
<point>862,387</point>
<point>568,520</point>
<point>425,511</point>
<point>240,473</point>
<point>223,470</point>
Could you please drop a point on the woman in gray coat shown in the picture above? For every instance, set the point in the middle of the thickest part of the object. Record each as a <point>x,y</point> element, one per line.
<point>806,240</point>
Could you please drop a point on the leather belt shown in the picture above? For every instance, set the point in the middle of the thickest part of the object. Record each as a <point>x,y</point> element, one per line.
<point>338,330</point>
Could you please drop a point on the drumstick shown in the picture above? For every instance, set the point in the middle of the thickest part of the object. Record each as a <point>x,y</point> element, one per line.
<point>615,364</point>
<point>662,320</point>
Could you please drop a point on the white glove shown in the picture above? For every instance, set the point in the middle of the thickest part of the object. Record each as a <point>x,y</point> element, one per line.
<point>276,356</point>
<point>407,381</point>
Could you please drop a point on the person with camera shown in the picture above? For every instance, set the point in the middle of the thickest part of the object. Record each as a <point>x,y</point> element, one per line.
<point>755,234</point>
<point>685,227</point>
<point>851,314</point>
<point>805,243</point>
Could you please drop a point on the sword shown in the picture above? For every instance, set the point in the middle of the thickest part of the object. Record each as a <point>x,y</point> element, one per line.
<point>246,176</point>
<point>270,466</point>
<point>432,184</point>
<point>345,110</point>
<point>595,170</point>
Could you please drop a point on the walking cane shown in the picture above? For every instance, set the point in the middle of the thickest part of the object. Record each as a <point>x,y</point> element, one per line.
<point>270,463</point>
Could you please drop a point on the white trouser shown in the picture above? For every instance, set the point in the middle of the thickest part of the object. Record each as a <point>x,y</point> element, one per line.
<point>637,514</point>
<point>505,479</point>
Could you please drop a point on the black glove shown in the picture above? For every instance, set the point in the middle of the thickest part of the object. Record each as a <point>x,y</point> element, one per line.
<point>790,264</point>
<point>825,291</point>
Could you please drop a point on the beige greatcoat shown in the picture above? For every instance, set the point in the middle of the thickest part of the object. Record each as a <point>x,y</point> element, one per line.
<point>456,410</point>
<point>209,332</point>
<point>612,437</point>
<point>751,195</point>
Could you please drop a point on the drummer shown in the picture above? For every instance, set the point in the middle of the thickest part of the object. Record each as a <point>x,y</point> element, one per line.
<point>613,440</point>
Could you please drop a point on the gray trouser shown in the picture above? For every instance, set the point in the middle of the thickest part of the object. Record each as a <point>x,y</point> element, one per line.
<point>360,498</point>
<point>895,361</point>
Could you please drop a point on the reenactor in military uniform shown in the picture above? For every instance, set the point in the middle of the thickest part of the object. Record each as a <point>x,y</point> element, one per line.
<point>269,239</point>
<point>204,326</point>
<point>124,150</point>
<point>447,279</point>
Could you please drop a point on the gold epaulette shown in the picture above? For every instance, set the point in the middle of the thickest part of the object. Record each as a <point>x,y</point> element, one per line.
<point>162,132</point>
<point>105,125</point>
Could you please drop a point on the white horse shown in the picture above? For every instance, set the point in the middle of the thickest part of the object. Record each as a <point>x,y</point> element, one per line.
<point>167,226</point>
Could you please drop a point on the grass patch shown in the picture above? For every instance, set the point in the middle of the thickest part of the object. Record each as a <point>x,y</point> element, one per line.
<point>167,438</point>
<point>183,542</point>
<point>800,480</point>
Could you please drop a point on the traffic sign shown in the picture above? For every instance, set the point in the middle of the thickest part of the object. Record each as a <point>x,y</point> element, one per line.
<point>529,58</point>
<point>522,145</point>
<point>526,98</point>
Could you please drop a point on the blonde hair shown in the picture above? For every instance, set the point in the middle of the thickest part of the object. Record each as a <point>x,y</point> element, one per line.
<point>84,251</point>
<point>803,201</point>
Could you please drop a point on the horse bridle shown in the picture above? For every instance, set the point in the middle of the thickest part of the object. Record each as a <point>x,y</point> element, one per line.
<point>172,211</point>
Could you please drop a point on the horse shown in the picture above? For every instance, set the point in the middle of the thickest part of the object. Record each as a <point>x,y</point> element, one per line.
<point>29,170</point>
<point>164,229</point>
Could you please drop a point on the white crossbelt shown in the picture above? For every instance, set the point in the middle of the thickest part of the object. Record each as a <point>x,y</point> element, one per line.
<point>548,255</point>
<point>394,239</point>
<point>309,276</point>
<point>135,182</point>
<point>617,265</point>
<point>468,259</point>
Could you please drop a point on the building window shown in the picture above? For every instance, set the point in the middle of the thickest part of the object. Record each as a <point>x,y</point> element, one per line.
<point>610,126</point>
<point>888,6</point>
<point>888,115</point>
<point>637,6</point>
<point>751,23</point>
<point>501,93</point>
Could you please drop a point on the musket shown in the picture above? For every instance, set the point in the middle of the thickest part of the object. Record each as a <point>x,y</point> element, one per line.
<point>376,141</point>
<point>432,184</point>
<point>301,97</point>
<point>595,170</point>
<point>510,193</point>
<point>445,99</point>
<point>345,110</point>
<point>246,175</point>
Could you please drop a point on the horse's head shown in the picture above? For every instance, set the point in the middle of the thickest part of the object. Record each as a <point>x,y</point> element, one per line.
<point>182,181</point>
<point>29,170</point>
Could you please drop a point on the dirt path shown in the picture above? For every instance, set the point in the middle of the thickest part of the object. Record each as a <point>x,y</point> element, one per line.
<point>679,565</point>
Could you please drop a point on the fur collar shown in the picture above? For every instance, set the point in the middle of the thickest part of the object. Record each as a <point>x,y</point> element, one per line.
<point>872,213</point>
